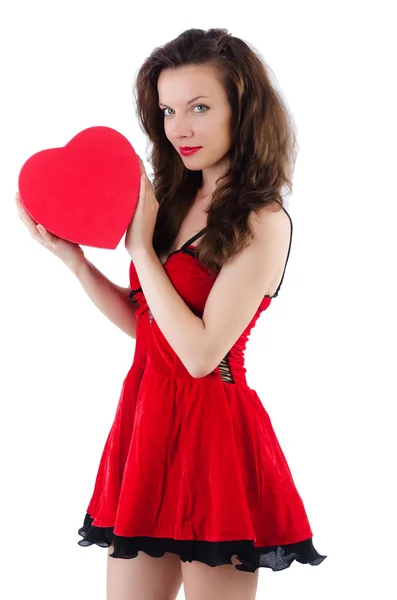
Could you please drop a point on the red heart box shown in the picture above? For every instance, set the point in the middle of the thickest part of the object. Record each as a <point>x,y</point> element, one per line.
<point>85,192</point>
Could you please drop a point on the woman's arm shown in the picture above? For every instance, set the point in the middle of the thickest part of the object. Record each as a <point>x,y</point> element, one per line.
<point>244,280</point>
<point>112,300</point>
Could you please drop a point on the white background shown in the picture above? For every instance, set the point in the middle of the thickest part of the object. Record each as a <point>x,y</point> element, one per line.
<point>322,357</point>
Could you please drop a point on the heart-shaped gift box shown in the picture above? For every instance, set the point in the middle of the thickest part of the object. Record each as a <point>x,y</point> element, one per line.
<point>85,192</point>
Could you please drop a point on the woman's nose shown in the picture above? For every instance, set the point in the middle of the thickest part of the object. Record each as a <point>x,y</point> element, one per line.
<point>180,128</point>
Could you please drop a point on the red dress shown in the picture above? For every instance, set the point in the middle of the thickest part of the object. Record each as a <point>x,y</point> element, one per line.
<point>191,465</point>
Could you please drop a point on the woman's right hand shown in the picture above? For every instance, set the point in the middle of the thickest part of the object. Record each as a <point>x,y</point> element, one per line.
<point>68,252</point>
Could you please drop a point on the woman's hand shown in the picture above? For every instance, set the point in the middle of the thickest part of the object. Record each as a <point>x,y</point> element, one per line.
<point>139,235</point>
<point>68,252</point>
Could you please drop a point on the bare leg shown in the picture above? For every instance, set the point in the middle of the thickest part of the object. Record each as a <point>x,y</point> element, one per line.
<point>144,577</point>
<point>218,583</point>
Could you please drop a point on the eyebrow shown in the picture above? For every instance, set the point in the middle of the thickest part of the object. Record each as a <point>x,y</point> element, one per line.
<point>188,102</point>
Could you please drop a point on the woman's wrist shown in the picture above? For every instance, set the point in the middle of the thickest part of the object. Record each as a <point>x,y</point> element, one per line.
<point>76,264</point>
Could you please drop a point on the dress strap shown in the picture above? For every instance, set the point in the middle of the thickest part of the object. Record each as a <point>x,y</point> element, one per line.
<point>289,250</point>
<point>194,238</point>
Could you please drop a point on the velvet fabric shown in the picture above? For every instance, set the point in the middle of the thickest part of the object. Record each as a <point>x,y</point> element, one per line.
<point>193,466</point>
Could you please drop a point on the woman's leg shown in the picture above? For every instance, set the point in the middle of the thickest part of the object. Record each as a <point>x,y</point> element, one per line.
<point>218,583</point>
<point>144,577</point>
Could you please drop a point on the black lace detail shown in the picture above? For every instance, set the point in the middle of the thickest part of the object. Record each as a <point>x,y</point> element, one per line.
<point>185,248</point>
<point>132,294</point>
<point>191,251</point>
<point>224,368</point>
<point>213,554</point>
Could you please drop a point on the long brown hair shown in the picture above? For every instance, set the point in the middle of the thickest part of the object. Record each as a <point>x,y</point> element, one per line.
<point>262,153</point>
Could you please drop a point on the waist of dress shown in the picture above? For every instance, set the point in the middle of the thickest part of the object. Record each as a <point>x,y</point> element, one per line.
<point>224,373</point>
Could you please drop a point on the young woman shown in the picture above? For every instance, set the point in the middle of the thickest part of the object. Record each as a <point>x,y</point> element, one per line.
<point>193,485</point>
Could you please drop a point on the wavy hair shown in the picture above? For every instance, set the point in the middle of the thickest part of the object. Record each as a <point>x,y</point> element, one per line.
<point>262,153</point>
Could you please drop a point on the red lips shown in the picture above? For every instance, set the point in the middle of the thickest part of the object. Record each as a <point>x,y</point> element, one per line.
<point>187,150</point>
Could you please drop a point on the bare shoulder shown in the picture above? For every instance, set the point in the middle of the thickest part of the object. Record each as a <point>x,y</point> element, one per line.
<point>270,220</point>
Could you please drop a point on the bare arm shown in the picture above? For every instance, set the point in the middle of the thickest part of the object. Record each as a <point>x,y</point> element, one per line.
<point>202,342</point>
<point>112,300</point>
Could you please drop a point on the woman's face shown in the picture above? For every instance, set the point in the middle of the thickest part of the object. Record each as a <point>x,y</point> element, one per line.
<point>196,113</point>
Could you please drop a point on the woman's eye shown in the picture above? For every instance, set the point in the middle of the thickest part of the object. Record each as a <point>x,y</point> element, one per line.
<point>197,106</point>
<point>203,106</point>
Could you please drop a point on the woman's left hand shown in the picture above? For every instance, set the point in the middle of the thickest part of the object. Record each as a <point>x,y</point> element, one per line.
<point>139,235</point>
